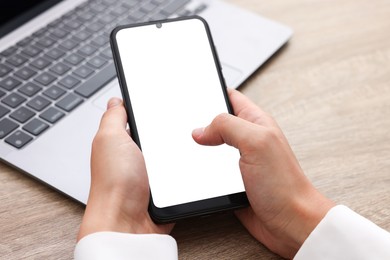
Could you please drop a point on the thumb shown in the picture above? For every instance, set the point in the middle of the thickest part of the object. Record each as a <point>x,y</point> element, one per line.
<point>113,102</point>
<point>115,115</point>
<point>226,128</point>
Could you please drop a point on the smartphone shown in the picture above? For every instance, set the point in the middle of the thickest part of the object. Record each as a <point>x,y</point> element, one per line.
<point>171,83</point>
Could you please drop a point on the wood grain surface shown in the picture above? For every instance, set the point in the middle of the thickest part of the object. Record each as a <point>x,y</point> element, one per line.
<point>328,88</point>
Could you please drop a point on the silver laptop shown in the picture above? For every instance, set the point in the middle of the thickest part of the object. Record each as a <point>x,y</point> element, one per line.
<point>57,73</point>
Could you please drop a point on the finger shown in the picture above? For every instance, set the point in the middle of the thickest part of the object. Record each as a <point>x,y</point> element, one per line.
<point>229,129</point>
<point>244,108</point>
<point>115,116</point>
<point>240,101</point>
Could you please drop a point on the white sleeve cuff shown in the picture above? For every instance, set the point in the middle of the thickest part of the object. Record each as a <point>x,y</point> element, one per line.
<point>118,246</point>
<point>343,234</point>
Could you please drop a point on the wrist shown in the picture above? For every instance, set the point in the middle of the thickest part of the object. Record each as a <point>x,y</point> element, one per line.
<point>118,212</point>
<point>103,213</point>
<point>308,210</point>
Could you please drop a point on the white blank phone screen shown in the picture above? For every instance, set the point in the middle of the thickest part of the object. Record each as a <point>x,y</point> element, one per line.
<point>174,88</point>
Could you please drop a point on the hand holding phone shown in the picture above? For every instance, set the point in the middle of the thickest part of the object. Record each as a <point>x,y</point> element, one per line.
<point>172,83</point>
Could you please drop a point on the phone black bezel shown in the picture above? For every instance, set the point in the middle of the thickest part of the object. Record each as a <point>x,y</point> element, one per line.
<point>191,209</point>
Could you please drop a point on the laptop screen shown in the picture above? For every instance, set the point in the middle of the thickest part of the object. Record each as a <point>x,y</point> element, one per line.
<point>14,13</point>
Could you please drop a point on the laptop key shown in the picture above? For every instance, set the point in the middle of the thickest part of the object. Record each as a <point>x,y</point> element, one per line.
<point>8,52</point>
<point>55,53</point>
<point>69,102</point>
<point>158,2</point>
<point>40,32</point>
<point>54,92</point>
<point>41,63</point>
<point>81,35</point>
<point>24,42</point>
<point>68,45</point>
<point>13,100</point>
<point>9,83</point>
<point>130,3</point>
<point>56,23</point>
<point>38,103</point>
<point>158,16</point>
<point>173,6</point>
<point>95,27</point>
<point>96,82</point>
<point>97,8</point>
<point>45,78</point>
<point>100,41</point>
<point>4,70</point>
<point>46,42</point>
<point>16,60</point>
<point>22,114</point>
<point>74,59</point>
<point>137,15</point>
<point>69,82</point>
<point>59,33</point>
<point>184,12</point>
<point>18,139</point>
<point>109,2</point>
<point>60,68</point>
<point>200,8</point>
<point>25,73</point>
<point>118,11</point>
<point>87,50</point>
<point>97,62</point>
<point>107,19</point>
<point>52,115</point>
<point>107,53</point>
<point>73,24</point>
<point>70,15</point>
<point>6,127</point>
<point>3,111</point>
<point>83,72</point>
<point>2,93</point>
<point>35,127</point>
<point>148,7</point>
<point>125,21</point>
<point>85,16</point>
<point>29,89</point>
<point>31,51</point>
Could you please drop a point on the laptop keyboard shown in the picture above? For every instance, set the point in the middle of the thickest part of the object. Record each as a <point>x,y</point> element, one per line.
<point>48,74</point>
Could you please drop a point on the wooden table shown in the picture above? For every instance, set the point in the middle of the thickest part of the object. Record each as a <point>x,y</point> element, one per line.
<point>329,89</point>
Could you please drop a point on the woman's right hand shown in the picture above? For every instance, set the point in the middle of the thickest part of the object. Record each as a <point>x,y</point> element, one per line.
<point>284,205</point>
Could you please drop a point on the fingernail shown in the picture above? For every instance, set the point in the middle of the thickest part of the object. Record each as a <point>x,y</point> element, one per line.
<point>113,102</point>
<point>198,132</point>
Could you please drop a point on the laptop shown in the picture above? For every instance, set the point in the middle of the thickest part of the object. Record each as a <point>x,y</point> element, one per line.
<point>57,74</point>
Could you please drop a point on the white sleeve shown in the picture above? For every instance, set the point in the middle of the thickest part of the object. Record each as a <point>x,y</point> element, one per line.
<point>121,246</point>
<point>343,234</point>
